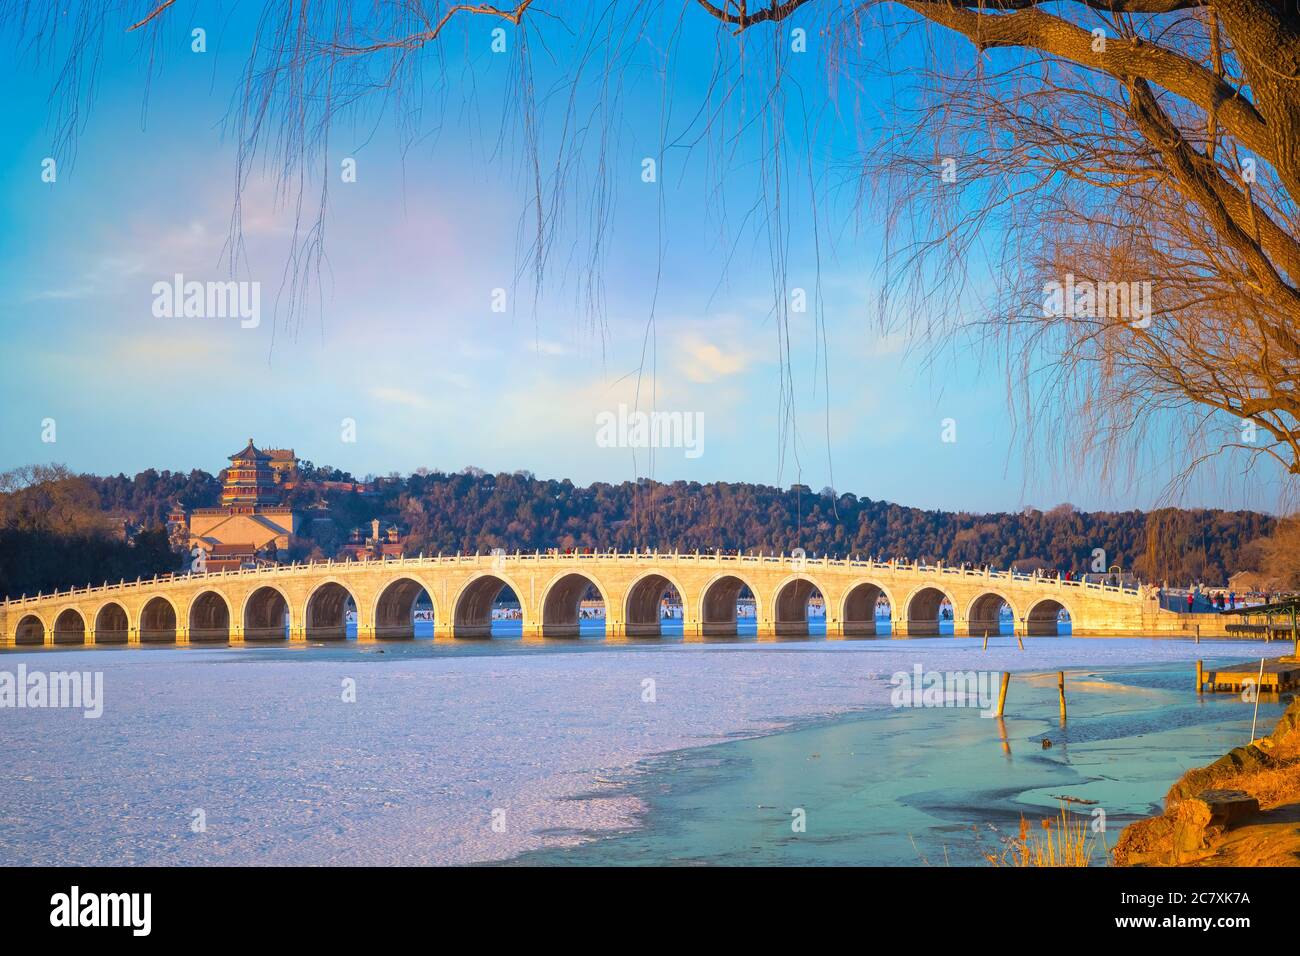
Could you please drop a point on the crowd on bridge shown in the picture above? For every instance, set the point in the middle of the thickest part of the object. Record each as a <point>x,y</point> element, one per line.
<point>1201,600</point>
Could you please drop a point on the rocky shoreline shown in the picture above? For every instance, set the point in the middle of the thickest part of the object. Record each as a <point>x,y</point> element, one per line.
<point>1241,810</point>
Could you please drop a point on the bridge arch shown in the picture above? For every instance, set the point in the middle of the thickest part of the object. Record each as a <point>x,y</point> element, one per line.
<point>266,614</point>
<point>112,625</point>
<point>984,614</point>
<point>30,630</point>
<point>472,607</point>
<point>1043,617</point>
<point>641,607</point>
<point>394,616</point>
<point>562,600</point>
<point>157,621</point>
<point>858,607</point>
<point>209,618</point>
<point>718,604</point>
<point>325,612</point>
<point>790,605</point>
<point>69,627</point>
<point>922,609</point>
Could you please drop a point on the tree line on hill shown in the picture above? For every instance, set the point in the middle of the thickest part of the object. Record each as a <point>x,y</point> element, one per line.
<point>55,532</point>
<point>59,529</point>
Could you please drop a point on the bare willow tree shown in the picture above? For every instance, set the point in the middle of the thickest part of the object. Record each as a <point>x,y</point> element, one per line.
<point>1118,146</point>
<point>1279,559</point>
<point>1100,192</point>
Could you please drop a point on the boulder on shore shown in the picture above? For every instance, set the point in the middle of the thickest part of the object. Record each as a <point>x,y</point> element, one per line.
<point>1237,760</point>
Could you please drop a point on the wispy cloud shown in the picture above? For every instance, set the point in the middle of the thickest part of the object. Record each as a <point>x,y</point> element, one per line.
<point>891,343</point>
<point>401,396</point>
<point>102,276</point>
<point>703,361</point>
<point>544,347</point>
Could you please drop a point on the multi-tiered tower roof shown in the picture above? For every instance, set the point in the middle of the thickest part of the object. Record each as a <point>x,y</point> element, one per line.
<point>250,480</point>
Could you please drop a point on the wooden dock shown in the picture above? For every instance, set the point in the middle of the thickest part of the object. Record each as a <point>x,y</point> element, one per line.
<point>1265,631</point>
<point>1280,674</point>
<point>1279,620</point>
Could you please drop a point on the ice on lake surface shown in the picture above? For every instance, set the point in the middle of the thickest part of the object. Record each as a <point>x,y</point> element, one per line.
<point>578,759</point>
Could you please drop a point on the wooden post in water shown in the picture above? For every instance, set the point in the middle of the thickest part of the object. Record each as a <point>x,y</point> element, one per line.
<point>1200,677</point>
<point>1258,684</point>
<point>1021,641</point>
<point>1002,693</point>
<point>986,640</point>
<point>1060,689</point>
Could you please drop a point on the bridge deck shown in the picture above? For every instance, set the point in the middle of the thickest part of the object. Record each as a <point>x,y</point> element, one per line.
<point>256,602</point>
<point>770,561</point>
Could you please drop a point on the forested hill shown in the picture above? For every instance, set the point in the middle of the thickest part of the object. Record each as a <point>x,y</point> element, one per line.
<point>475,511</point>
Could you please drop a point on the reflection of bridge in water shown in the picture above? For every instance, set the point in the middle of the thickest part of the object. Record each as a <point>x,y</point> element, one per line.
<point>312,601</point>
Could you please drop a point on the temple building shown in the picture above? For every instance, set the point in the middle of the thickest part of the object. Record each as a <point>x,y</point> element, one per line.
<point>253,525</point>
<point>284,466</point>
<point>250,480</point>
<point>376,547</point>
<point>233,557</point>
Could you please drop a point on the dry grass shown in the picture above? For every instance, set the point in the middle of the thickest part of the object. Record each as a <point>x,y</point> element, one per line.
<point>1272,787</point>
<point>1062,842</point>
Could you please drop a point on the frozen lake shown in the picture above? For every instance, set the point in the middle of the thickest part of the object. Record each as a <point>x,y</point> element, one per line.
<point>480,752</point>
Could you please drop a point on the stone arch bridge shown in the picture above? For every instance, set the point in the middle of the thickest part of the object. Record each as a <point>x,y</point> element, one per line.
<point>305,602</point>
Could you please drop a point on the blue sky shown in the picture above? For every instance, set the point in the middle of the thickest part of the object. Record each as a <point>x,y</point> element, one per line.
<point>404,341</point>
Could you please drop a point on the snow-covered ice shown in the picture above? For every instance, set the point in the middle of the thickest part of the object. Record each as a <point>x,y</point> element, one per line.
<point>286,772</point>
